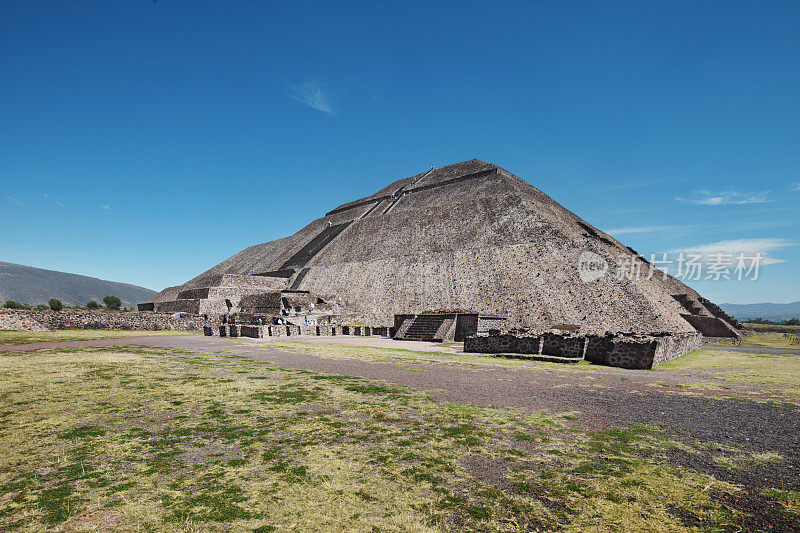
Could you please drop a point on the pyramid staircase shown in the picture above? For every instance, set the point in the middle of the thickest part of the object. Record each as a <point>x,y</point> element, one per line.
<point>709,320</point>
<point>717,311</point>
<point>426,327</point>
<point>690,304</point>
<point>304,254</point>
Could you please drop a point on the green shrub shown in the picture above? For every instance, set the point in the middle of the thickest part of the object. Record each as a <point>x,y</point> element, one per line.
<point>91,304</point>
<point>112,302</point>
<point>42,307</point>
<point>11,304</point>
<point>55,304</point>
<point>790,322</point>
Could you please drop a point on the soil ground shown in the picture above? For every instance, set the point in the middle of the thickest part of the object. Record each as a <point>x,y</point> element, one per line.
<point>724,418</point>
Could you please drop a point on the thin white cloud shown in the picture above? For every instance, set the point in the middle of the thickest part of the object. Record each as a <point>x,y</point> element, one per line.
<point>638,229</point>
<point>726,198</point>
<point>106,207</point>
<point>735,247</point>
<point>796,186</point>
<point>13,200</point>
<point>312,94</point>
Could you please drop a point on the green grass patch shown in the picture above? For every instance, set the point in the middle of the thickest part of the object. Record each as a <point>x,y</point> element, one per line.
<point>771,340</point>
<point>778,371</point>
<point>148,438</point>
<point>68,335</point>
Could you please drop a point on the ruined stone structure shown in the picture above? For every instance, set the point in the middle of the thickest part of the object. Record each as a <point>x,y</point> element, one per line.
<point>621,350</point>
<point>443,326</point>
<point>34,320</point>
<point>469,236</point>
<point>261,331</point>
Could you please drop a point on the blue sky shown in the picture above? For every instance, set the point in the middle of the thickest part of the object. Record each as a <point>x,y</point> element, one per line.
<point>147,141</point>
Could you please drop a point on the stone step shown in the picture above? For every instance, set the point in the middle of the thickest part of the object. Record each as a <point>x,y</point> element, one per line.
<point>423,328</point>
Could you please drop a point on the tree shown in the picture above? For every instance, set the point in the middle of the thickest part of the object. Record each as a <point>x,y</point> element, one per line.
<point>11,304</point>
<point>112,302</point>
<point>91,304</point>
<point>55,304</point>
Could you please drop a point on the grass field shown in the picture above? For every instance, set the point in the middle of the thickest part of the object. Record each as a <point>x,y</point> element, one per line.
<point>772,327</point>
<point>777,371</point>
<point>28,337</point>
<point>772,340</point>
<point>408,356</point>
<point>152,439</point>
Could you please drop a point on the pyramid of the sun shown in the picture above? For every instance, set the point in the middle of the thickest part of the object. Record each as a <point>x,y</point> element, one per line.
<point>469,236</point>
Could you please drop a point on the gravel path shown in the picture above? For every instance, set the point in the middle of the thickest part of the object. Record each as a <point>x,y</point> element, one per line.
<point>602,398</point>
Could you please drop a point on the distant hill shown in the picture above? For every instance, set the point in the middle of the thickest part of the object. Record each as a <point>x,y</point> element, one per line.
<point>768,311</point>
<point>36,286</point>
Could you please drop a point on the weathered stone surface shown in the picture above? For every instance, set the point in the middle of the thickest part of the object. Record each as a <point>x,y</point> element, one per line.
<point>502,344</point>
<point>19,319</point>
<point>711,326</point>
<point>625,351</point>
<point>466,236</point>
<point>563,345</point>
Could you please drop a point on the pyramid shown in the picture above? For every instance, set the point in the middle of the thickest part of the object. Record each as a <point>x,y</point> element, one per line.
<point>468,237</point>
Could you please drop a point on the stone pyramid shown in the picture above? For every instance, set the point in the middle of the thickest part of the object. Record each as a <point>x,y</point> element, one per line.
<point>466,237</point>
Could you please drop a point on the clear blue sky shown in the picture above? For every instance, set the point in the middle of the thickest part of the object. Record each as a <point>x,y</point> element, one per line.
<point>147,141</point>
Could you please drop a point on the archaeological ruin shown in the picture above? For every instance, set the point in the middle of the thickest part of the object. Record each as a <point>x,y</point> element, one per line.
<point>467,252</point>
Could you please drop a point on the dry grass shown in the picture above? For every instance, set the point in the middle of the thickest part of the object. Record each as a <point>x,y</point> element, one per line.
<point>65,335</point>
<point>407,356</point>
<point>771,340</point>
<point>701,370</point>
<point>772,327</point>
<point>774,371</point>
<point>128,438</point>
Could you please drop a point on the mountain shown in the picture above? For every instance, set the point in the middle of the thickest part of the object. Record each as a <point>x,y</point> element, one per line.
<point>767,311</point>
<point>33,286</point>
<point>470,237</point>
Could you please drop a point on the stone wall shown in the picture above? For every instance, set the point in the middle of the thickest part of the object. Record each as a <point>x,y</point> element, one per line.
<point>562,345</point>
<point>625,351</point>
<point>632,352</point>
<point>466,324</point>
<point>180,306</point>
<point>502,344</point>
<point>485,323</point>
<point>673,346</point>
<point>29,320</point>
<point>598,347</point>
<point>647,352</point>
<point>263,303</point>
<point>193,294</point>
<point>399,319</point>
<point>288,330</point>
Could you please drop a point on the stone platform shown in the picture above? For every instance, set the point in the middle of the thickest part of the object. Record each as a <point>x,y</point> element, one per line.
<point>620,350</point>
